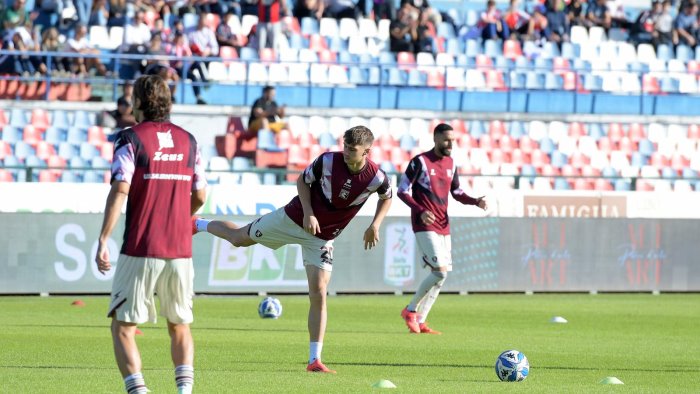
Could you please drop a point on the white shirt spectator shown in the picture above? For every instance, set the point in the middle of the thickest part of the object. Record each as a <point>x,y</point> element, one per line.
<point>136,35</point>
<point>78,45</point>
<point>203,38</point>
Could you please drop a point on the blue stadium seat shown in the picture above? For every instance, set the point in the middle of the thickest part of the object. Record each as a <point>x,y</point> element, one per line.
<point>35,162</point>
<point>93,177</point>
<point>664,52</point>
<point>547,145</point>
<point>247,53</point>
<point>338,44</point>
<point>454,47</point>
<point>541,64</point>
<point>266,140</point>
<point>76,136</point>
<point>550,50</point>
<point>12,161</point>
<point>570,51</point>
<point>296,41</point>
<point>445,30</point>
<point>387,58</point>
<point>357,76</point>
<point>638,67</point>
<point>269,178</point>
<point>638,160</point>
<point>100,163</point>
<point>83,120</point>
<point>669,173</point>
<point>326,140</point>
<point>309,26</point>
<point>345,57</point>
<point>516,80</point>
<point>374,76</point>
<point>623,185</point>
<point>88,151</point>
<point>534,80</point>
<point>516,129</point>
<point>646,147</point>
<point>387,167</point>
<point>23,150</point>
<point>592,82</point>
<point>684,53</point>
<point>553,81</point>
<point>503,63</point>
<point>71,177</point>
<point>476,128</point>
<point>559,159</point>
<point>608,172</point>
<point>493,48</point>
<point>396,77</point>
<point>473,48</point>
<point>580,65</point>
<point>18,118</point>
<point>77,161</point>
<point>416,78</point>
<point>669,85</point>
<point>596,131</point>
<point>60,119</point>
<point>528,170</point>
<point>522,64</point>
<point>368,59</point>
<point>561,184</point>
<point>689,173</point>
<point>54,135</point>
<point>241,163</point>
<point>67,150</point>
<point>11,134</point>
<point>407,143</point>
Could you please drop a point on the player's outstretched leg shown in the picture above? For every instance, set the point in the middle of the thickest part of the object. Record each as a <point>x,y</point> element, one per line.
<point>318,289</point>
<point>411,319</point>
<point>238,236</point>
<point>426,304</point>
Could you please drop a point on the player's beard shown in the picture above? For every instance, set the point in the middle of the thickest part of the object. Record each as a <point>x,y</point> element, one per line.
<point>445,151</point>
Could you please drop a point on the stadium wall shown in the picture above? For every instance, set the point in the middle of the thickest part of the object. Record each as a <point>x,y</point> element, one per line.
<point>53,253</point>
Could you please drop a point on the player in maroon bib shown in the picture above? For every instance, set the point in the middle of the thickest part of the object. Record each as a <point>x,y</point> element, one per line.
<point>425,187</point>
<point>158,167</point>
<point>331,192</point>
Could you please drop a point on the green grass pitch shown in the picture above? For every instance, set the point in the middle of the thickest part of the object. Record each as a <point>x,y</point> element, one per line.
<point>649,342</point>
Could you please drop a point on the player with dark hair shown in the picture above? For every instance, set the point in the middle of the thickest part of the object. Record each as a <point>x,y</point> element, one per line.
<point>156,165</point>
<point>331,192</point>
<point>429,178</point>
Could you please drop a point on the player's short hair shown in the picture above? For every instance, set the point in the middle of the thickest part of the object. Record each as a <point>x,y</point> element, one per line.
<point>268,88</point>
<point>358,135</point>
<point>154,97</point>
<point>441,128</point>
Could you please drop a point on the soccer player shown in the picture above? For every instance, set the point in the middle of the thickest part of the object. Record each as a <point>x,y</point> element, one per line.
<point>429,178</point>
<point>331,190</point>
<point>156,165</point>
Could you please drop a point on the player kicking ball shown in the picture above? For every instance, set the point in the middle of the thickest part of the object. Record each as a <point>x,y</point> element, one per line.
<point>429,178</point>
<point>331,192</point>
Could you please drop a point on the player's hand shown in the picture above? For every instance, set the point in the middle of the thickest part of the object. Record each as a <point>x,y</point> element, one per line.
<point>102,258</point>
<point>427,217</point>
<point>371,237</point>
<point>481,203</point>
<point>311,225</point>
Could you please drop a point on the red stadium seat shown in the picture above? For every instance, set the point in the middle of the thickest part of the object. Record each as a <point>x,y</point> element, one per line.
<point>507,144</point>
<point>44,150</point>
<point>527,145</point>
<point>658,160</point>
<point>285,139</point>
<point>626,145</point>
<point>650,84</point>
<point>693,132</point>
<point>459,126</point>
<point>693,67</point>
<point>40,119</point>
<point>572,81</point>
<point>679,162</point>
<point>212,21</point>
<point>568,170</point>
<point>387,142</point>
<point>6,176</point>
<point>96,136</point>
<point>582,184</point>
<point>602,184</point>
<point>549,170</point>
<point>512,49</point>
<point>326,56</point>
<point>269,159</point>
<point>317,43</point>
<point>3,118</point>
<point>494,80</point>
<point>487,143</point>
<point>107,151</point>
<point>518,157</point>
<point>298,155</point>
<point>636,132</point>
<point>228,54</point>
<point>399,158</point>
<point>436,79</point>
<point>433,124</point>
<point>576,130</point>
<point>5,150</point>
<point>497,156</point>
<point>496,129</point>
<point>560,65</point>
<point>616,132</point>
<point>292,24</point>
<point>268,55</point>
<point>466,141</point>
<point>587,170</point>
<point>31,135</point>
<point>315,151</point>
<point>377,154</point>
<point>48,176</point>
<point>483,62</point>
<point>405,60</point>
<point>644,186</point>
<point>578,160</point>
<point>606,145</point>
<point>306,140</point>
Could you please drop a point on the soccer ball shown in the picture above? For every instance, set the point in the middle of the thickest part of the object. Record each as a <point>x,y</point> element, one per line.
<point>512,366</point>
<point>270,308</point>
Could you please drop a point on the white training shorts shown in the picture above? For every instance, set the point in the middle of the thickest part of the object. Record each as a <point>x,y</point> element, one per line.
<point>276,229</point>
<point>138,278</point>
<point>436,248</point>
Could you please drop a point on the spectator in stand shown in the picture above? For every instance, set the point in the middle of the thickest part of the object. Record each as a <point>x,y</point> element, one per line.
<point>203,40</point>
<point>269,30</point>
<point>168,18</point>
<point>558,23</point>
<point>79,44</point>
<point>403,31</point>
<point>576,15</point>
<point>339,9</point>
<point>50,43</point>
<point>663,29</point>
<point>266,114</point>
<point>161,66</point>
<point>48,13</point>
<point>99,14</point>
<point>538,25</point>
<point>516,19</point>
<point>249,7</point>
<point>424,40</point>
<point>309,9</point>
<point>82,9</point>
<point>123,116</point>
<point>21,63</point>
<point>642,30</point>
<point>13,17</point>
<point>598,14</point>
<point>383,9</point>
<point>491,23</point>
<point>194,70</point>
<point>423,7</point>
<point>224,34</point>
<point>686,25</point>
<point>117,13</point>
<point>137,35</point>
<point>617,14</point>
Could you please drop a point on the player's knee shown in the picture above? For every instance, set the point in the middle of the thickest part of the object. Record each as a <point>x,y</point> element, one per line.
<point>440,274</point>
<point>317,295</point>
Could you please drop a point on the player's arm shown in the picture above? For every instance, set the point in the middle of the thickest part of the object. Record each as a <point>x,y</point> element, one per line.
<point>113,209</point>
<point>199,184</point>
<point>463,197</point>
<point>408,178</point>
<point>310,174</point>
<point>371,237</point>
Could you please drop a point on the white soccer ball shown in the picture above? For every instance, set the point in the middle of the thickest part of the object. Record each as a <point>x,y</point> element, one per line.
<point>512,366</point>
<point>270,308</point>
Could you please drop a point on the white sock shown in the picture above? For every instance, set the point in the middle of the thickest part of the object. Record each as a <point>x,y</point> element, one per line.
<point>135,384</point>
<point>428,301</point>
<point>202,224</point>
<point>425,286</point>
<point>184,378</point>
<point>315,349</point>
